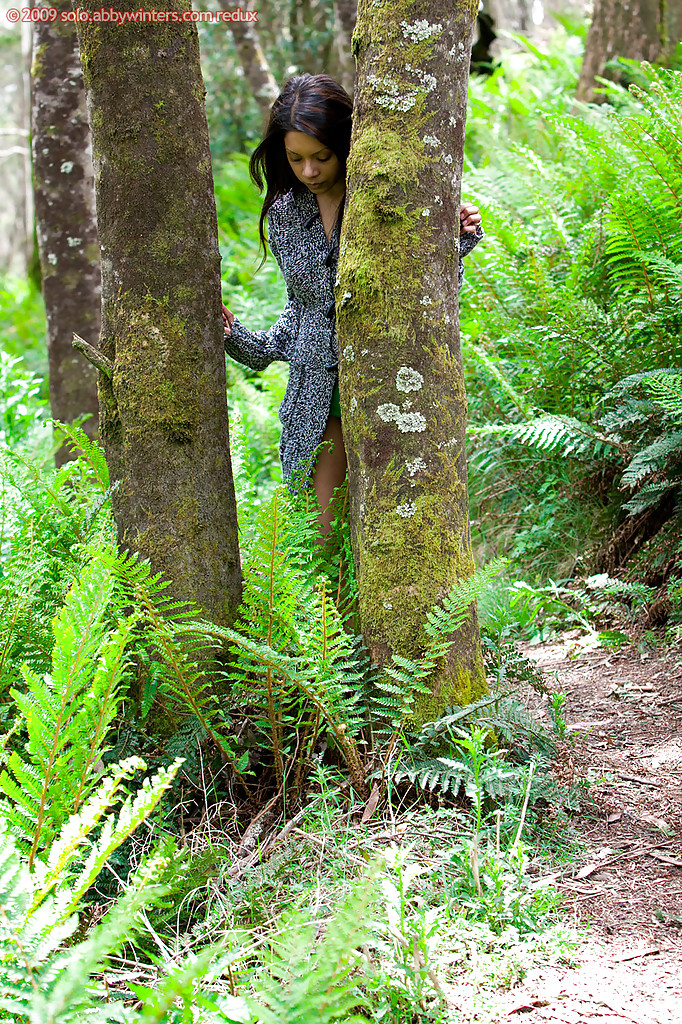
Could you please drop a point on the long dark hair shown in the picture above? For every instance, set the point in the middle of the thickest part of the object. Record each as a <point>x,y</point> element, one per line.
<point>315,105</point>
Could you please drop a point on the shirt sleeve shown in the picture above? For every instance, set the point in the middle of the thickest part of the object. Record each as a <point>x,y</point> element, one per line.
<point>258,349</point>
<point>466,244</point>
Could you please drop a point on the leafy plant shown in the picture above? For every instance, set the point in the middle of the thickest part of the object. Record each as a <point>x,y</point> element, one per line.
<point>67,713</point>
<point>42,979</point>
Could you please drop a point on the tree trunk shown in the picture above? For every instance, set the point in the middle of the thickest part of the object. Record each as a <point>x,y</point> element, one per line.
<point>401,380</point>
<point>254,63</point>
<point>641,30</point>
<point>345,12</point>
<point>65,215</point>
<point>163,411</point>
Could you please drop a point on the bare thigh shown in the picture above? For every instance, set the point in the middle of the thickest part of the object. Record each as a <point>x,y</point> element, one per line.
<point>329,472</point>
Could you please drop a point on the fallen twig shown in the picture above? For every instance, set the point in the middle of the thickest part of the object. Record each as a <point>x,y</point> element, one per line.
<point>636,956</point>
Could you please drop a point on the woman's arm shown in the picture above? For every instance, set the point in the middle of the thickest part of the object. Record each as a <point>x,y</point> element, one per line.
<point>470,233</point>
<point>258,349</point>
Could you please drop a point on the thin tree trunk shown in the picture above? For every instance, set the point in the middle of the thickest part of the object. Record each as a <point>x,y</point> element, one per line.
<point>66,222</point>
<point>254,63</point>
<point>163,410</point>
<point>640,30</point>
<point>345,12</point>
<point>401,380</point>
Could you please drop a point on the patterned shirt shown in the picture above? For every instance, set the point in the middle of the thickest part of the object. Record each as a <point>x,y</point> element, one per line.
<point>305,332</point>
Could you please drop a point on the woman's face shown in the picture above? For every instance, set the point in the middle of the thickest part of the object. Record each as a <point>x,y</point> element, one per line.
<point>314,164</point>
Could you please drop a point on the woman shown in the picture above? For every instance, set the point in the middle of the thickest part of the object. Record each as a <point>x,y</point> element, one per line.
<point>303,161</point>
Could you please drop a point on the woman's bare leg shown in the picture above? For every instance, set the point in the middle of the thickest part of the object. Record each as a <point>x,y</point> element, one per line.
<point>330,472</point>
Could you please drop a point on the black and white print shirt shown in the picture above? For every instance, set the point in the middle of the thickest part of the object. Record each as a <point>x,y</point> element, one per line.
<point>305,332</point>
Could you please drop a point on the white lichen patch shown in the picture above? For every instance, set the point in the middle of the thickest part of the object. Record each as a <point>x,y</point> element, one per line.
<point>425,212</point>
<point>407,509</point>
<point>406,422</point>
<point>392,95</point>
<point>353,404</point>
<point>346,295</point>
<point>66,167</point>
<point>388,412</point>
<point>427,81</point>
<point>431,140</point>
<point>411,422</point>
<point>52,258</point>
<point>415,465</point>
<point>408,379</point>
<point>73,242</point>
<point>426,300</point>
<point>437,199</point>
<point>420,30</point>
<point>348,354</point>
<point>447,158</point>
<point>387,605</point>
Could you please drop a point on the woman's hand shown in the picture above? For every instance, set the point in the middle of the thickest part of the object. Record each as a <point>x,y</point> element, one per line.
<point>469,218</point>
<point>227,320</point>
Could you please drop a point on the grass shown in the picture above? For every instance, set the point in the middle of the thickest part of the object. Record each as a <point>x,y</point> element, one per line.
<point>451,913</point>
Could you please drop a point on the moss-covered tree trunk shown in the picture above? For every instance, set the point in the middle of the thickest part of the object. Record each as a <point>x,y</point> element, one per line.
<point>640,30</point>
<point>163,410</point>
<point>401,382</point>
<point>65,219</point>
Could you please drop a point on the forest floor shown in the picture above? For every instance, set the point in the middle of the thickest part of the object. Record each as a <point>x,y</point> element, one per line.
<point>623,712</point>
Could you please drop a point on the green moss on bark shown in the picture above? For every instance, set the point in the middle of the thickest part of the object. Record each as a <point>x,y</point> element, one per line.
<point>401,381</point>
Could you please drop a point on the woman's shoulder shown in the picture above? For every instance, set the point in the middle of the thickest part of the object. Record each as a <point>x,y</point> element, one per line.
<point>292,206</point>
<point>282,207</point>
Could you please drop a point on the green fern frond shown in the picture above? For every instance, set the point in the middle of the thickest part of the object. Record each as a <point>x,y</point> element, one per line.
<point>652,459</point>
<point>68,712</point>
<point>666,389</point>
<point>41,978</point>
<point>90,452</point>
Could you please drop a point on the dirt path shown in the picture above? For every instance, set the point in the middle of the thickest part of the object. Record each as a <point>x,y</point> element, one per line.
<point>624,713</point>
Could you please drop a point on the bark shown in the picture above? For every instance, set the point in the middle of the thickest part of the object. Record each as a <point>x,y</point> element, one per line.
<point>254,63</point>
<point>163,411</point>
<point>402,391</point>
<point>65,217</point>
<point>640,30</point>
<point>345,12</point>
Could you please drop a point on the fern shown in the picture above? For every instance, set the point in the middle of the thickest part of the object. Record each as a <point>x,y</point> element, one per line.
<point>67,713</point>
<point>50,520</point>
<point>42,979</point>
<point>315,980</point>
<point>652,459</point>
<point>90,455</point>
<point>666,389</point>
<point>550,433</point>
<point>441,622</point>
